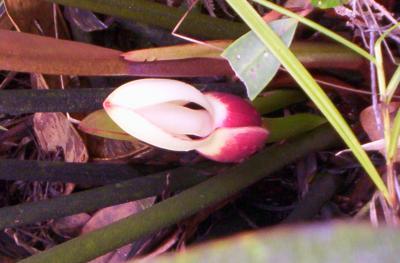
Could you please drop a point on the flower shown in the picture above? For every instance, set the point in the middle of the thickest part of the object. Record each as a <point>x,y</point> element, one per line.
<point>221,126</point>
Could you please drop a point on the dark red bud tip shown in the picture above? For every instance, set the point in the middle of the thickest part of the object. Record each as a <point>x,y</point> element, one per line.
<point>233,145</point>
<point>233,111</point>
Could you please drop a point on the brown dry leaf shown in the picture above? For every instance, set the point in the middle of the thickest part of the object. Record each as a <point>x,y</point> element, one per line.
<point>108,149</point>
<point>368,122</point>
<point>62,57</point>
<point>5,22</point>
<point>37,17</point>
<point>70,226</point>
<point>54,131</point>
<point>34,16</point>
<point>112,214</point>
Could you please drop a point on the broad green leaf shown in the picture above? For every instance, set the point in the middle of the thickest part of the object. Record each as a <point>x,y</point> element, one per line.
<point>211,49</point>
<point>328,243</point>
<point>301,75</point>
<point>252,61</point>
<point>324,4</point>
<point>100,124</point>
<point>277,99</point>
<point>289,126</point>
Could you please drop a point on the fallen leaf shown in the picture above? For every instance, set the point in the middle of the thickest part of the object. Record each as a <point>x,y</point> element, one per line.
<point>70,226</point>
<point>63,57</point>
<point>370,126</point>
<point>85,20</point>
<point>33,16</point>
<point>54,131</point>
<point>111,214</point>
<point>5,22</point>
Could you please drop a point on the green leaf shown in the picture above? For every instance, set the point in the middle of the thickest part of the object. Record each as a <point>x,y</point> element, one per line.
<point>329,243</point>
<point>252,61</point>
<point>324,4</point>
<point>277,99</point>
<point>308,84</point>
<point>289,126</point>
<point>394,137</point>
<point>100,124</point>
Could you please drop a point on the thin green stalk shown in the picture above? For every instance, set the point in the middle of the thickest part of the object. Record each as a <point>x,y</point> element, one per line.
<point>383,89</point>
<point>392,151</point>
<point>319,28</point>
<point>188,202</point>
<point>389,140</point>
<point>308,84</point>
<point>393,84</point>
<point>387,93</point>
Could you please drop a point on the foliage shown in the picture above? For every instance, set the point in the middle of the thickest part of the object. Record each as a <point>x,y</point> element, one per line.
<point>324,4</point>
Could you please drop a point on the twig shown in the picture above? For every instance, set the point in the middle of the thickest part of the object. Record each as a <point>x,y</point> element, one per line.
<point>187,203</point>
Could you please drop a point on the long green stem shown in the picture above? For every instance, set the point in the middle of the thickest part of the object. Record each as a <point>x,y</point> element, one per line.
<point>152,13</point>
<point>80,173</point>
<point>187,203</point>
<point>108,195</point>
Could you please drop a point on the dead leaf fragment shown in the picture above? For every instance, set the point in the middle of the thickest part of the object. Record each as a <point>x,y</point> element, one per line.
<point>34,16</point>
<point>112,214</point>
<point>370,126</point>
<point>70,226</point>
<point>54,131</point>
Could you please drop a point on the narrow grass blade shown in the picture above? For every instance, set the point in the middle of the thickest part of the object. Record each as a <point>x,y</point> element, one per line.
<point>393,84</point>
<point>394,137</point>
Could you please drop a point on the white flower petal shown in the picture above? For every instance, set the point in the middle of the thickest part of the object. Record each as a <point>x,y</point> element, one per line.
<point>145,92</point>
<point>140,128</point>
<point>177,119</point>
